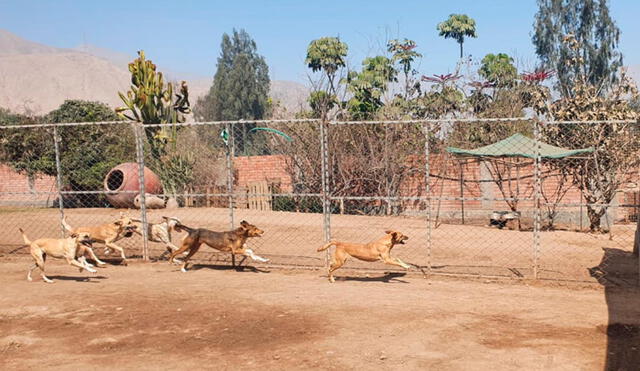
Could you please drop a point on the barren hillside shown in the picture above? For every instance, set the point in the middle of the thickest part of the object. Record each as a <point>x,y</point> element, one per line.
<point>37,78</point>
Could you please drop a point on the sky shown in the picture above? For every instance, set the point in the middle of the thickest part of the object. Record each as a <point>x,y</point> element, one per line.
<point>184,36</point>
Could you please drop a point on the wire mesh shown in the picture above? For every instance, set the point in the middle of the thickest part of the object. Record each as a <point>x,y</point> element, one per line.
<point>376,181</point>
<point>495,201</point>
<point>590,202</point>
<point>482,190</point>
<point>29,193</point>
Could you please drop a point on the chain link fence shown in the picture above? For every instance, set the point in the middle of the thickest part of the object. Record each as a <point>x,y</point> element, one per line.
<point>508,197</point>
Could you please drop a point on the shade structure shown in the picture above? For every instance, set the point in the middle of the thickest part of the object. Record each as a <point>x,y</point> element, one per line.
<point>519,145</point>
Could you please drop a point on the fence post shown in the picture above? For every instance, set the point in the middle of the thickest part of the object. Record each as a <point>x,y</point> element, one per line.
<point>536,200</point>
<point>138,131</point>
<point>326,202</point>
<point>426,127</point>
<point>56,146</point>
<point>229,127</point>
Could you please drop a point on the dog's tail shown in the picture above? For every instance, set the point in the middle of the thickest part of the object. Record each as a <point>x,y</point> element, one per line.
<point>181,227</point>
<point>66,225</point>
<point>24,237</point>
<point>327,245</point>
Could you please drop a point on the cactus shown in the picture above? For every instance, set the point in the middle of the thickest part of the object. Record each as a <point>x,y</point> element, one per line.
<point>151,101</point>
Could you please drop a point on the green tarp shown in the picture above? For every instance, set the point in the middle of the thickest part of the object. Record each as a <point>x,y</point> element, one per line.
<point>518,145</point>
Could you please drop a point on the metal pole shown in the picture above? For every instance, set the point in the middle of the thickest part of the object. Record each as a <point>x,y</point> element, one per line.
<point>230,154</point>
<point>536,201</point>
<point>326,206</point>
<point>462,192</point>
<point>138,131</point>
<point>427,189</point>
<point>56,141</point>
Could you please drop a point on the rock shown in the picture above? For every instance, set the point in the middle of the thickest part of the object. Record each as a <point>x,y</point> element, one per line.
<point>172,203</point>
<point>151,201</point>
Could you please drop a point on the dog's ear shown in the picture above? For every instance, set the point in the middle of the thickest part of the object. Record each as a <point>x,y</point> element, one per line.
<point>118,222</point>
<point>388,231</point>
<point>74,235</point>
<point>166,218</point>
<point>244,223</point>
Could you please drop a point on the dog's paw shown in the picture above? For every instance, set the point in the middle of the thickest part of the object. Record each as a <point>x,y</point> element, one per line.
<point>107,251</point>
<point>177,261</point>
<point>92,270</point>
<point>183,270</point>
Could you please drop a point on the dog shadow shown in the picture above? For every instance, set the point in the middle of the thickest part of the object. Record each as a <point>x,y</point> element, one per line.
<point>90,279</point>
<point>618,273</point>
<point>237,268</point>
<point>388,277</point>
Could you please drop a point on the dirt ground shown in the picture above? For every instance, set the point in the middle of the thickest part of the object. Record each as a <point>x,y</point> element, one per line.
<point>291,239</point>
<point>151,316</point>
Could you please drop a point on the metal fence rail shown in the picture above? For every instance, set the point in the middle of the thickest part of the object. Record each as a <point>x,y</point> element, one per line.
<point>307,181</point>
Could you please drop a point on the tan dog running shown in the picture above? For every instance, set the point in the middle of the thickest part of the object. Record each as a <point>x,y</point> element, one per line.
<point>67,248</point>
<point>231,241</point>
<point>160,232</point>
<point>379,250</point>
<point>107,233</point>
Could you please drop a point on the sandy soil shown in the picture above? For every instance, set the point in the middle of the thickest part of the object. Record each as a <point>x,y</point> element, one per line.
<point>151,316</point>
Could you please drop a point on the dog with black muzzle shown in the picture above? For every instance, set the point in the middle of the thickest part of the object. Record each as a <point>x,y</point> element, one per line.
<point>230,241</point>
<point>108,234</point>
<point>379,250</point>
<point>66,248</point>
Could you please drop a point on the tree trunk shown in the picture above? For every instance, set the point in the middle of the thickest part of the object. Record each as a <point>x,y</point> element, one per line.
<point>594,217</point>
<point>461,55</point>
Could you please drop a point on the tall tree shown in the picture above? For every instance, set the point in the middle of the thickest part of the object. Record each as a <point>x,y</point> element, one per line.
<point>327,54</point>
<point>368,86</point>
<point>240,87</point>
<point>589,22</point>
<point>403,53</point>
<point>458,26</point>
<point>498,69</point>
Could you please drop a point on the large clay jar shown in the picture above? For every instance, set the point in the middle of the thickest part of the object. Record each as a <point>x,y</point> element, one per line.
<point>122,184</point>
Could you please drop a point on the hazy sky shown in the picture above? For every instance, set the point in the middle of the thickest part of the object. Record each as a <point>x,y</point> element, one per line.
<point>185,35</point>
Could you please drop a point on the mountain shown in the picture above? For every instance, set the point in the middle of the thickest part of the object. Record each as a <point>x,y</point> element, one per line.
<point>37,78</point>
<point>39,83</point>
<point>11,44</point>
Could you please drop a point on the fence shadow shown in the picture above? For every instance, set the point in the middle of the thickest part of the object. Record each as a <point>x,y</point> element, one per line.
<point>618,273</point>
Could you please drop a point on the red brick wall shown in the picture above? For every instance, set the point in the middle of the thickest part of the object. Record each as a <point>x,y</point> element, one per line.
<point>269,168</point>
<point>262,168</point>
<point>11,181</point>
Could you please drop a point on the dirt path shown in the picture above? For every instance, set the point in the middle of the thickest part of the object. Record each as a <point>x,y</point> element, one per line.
<point>150,316</point>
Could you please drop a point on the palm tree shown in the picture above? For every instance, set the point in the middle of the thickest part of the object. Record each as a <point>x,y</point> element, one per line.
<point>457,27</point>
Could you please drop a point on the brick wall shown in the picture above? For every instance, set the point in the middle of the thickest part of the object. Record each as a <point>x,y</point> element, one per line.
<point>16,189</point>
<point>262,168</point>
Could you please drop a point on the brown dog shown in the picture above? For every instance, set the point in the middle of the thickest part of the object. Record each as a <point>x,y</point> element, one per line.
<point>107,233</point>
<point>67,248</point>
<point>379,250</point>
<point>231,241</point>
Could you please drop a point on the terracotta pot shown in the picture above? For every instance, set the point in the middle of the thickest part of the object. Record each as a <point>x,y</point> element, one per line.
<point>122,184</point>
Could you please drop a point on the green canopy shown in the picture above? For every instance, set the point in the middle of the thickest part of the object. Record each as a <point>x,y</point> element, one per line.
<point>518,145</point>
